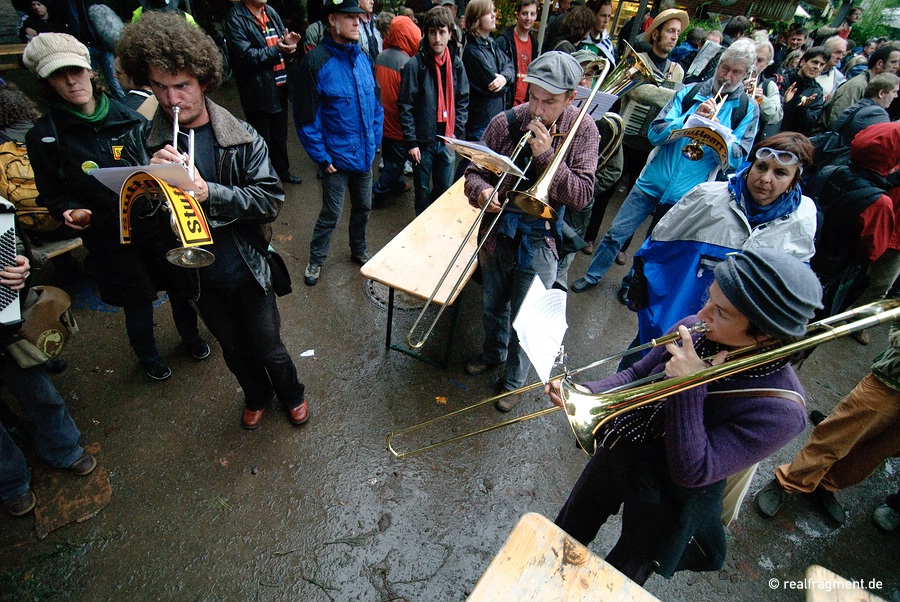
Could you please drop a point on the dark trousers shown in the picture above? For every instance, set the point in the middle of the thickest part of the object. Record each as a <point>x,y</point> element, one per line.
<point>139,325</point>
<point>273,129</point>
<point>246,322</point>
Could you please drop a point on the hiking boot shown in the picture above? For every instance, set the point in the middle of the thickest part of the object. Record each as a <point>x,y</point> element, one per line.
<point>507,403</point>
<point>311,275</point>
<point>84,465</point>
<point>360,258</point>
<point>861,337</point>
<point>769,499</point>
<point>816,417</point>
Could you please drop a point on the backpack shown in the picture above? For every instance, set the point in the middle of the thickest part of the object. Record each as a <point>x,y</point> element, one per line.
<point>18,187</point>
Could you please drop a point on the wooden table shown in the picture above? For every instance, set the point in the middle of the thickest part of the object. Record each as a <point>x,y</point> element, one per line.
<point>823,585</point>
<point>540,561</point>
<point>414,260</point>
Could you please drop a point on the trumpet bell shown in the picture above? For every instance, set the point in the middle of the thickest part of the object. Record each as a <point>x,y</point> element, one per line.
<point>531,204</point>
<point>190,257</point>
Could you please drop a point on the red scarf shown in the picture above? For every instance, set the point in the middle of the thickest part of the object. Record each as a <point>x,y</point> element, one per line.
<point>272,38</point>
<point>445,111</point>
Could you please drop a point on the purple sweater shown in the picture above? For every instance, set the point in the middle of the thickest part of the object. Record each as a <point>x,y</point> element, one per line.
<point>707,442</point>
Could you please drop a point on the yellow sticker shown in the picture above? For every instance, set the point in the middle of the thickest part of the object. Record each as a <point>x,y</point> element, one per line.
<point>441,399</point>
<point>89,166</point>
<point>117,152</point>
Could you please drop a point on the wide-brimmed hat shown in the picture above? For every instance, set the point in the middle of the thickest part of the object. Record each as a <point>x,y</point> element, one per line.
<point>48,52</point>
<point>554,71</point>
<point>664,17</point>
<point>342,6</point>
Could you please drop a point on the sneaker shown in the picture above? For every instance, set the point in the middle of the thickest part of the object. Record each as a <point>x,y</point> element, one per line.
<point>507,403</point>
<point>198,349</point>
<point>360,258</point>
<point>826,501</point>
<point>477,366</point>
<point>84,465</point>
<point>769,499</point>
<point>581,285</point>
<point>886,518</point>
<point>311,275</point>
<point>21,504</point>
<point>157,369</point>
<point>408,168</point>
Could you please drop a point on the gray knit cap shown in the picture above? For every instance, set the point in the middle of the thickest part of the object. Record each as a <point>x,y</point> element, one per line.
<point>777,292</point>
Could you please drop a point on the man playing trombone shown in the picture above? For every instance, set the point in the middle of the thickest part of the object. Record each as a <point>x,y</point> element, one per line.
<point>521,246</point>
<point>668,461</point>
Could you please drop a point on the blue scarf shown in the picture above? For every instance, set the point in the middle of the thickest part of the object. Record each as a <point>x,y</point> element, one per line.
<point>784,205</point>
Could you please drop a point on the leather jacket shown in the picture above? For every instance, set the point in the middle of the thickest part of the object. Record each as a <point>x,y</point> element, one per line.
<point>248,194</point>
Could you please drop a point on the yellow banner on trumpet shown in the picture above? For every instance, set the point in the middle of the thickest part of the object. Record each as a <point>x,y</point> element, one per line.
<point>706,137</point>
<point>188,218</point>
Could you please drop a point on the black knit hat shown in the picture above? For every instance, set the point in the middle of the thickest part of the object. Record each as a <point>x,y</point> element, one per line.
<point>777,292</point>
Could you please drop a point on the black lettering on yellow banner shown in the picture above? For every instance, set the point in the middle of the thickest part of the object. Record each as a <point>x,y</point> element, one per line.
<point>189,220</point>
<point>706,137</point>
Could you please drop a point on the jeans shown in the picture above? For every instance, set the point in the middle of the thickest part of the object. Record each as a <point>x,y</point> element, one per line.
<point>139,326</point>
<point>273,127</point>
<point>434,173</point>
<point>55,433</point>
<point>505,285</point>
<point>246,322</point>
<point>635,209</point>
<point>391,181</point>
<point>105,61</point>
<point>334,185</point>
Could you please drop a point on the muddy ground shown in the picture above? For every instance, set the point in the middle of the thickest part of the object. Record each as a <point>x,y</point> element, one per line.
<point>204,510</point>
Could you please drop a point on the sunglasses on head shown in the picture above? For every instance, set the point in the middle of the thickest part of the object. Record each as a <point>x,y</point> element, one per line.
<point>783,157</point>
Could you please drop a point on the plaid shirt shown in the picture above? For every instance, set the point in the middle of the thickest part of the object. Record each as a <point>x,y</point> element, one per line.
<point>573,184</point>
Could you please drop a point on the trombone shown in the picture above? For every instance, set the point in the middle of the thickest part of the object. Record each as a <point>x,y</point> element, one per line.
<point>632,70</point>
<point>587,413</point>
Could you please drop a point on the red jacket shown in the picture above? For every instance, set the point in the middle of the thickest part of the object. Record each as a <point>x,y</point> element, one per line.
<point>877,148</point>
<point>400,45</point>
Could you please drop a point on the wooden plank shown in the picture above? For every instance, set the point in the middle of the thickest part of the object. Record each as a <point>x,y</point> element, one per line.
<point>540,561</point>
<point>414,260</point>
<point>822,585</point>
<point>49,250</point>
<point>12,49</point>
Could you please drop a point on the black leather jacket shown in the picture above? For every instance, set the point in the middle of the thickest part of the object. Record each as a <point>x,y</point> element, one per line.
<point>248,194</point>
<point>253,61</point>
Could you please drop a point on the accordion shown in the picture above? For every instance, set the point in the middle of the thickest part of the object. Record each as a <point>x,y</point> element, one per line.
<point>10,311</point>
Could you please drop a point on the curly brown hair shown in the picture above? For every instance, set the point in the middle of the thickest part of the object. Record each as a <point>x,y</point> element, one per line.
<point>15,106</point>
<point>168,42</point>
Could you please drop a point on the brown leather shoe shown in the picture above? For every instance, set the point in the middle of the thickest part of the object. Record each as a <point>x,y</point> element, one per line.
<point>300,414</point>
<point>251,418</point>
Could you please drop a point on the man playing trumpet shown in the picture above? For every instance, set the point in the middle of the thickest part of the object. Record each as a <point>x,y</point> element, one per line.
<point>667,462</point>
<point>669,174</point>
<point>521,246</point>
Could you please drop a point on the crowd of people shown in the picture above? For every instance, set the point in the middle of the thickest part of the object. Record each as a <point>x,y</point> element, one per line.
<point>791,217</point>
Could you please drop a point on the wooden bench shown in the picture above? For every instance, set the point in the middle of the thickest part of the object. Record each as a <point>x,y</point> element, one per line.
<point>414,260</point>
<point>10,55</point>
<point>48,250</point>
<point>540,561</point>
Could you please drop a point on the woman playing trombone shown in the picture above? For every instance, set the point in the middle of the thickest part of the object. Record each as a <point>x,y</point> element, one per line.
<point>667,462</point>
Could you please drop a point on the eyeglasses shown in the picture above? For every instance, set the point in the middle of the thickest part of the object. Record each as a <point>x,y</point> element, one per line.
<point>783,157</point>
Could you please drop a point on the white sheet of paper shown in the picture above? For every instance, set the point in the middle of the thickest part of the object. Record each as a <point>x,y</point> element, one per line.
<point>541,325</point>
<point>474,151</point>
<point>600,104</point>
<point>173,173</point>
<point>708,52</point>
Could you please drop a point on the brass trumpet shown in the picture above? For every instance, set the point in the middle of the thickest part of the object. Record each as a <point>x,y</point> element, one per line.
<point>588,413</point>
<point>693,150</point>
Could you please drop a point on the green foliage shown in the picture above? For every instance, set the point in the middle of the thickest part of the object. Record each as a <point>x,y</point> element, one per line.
<point>872,23</point>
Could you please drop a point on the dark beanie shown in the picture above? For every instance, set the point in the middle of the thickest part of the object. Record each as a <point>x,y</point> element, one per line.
<point>777,292</point>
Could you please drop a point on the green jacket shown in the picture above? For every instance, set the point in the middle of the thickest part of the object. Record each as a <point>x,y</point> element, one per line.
<point>887,365</point>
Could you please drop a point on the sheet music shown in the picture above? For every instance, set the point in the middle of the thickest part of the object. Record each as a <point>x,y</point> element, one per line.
<point>173,173</point>
<point>600,104</point>
<point>541,325</point>
<point>708,52</point>
<point>696,121</point>
<point>479,153</point>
